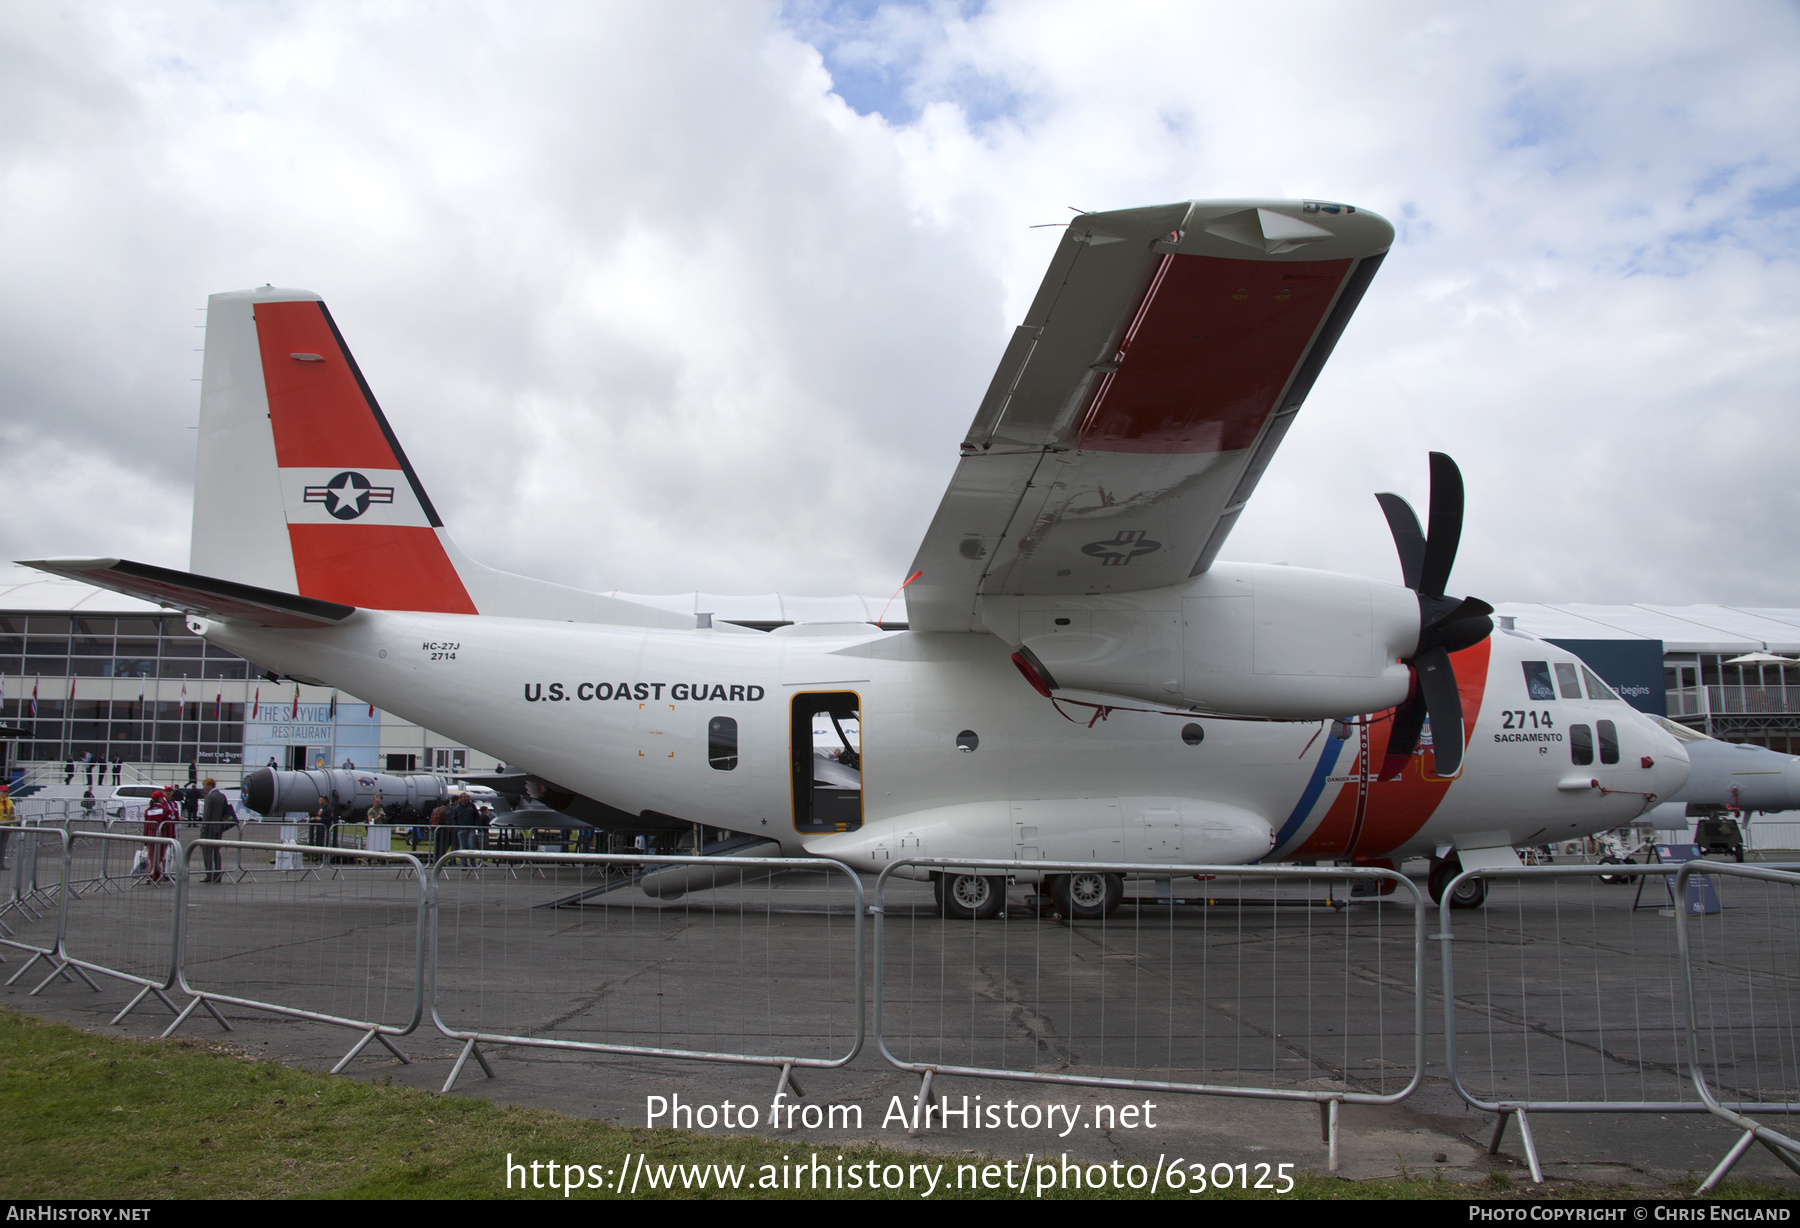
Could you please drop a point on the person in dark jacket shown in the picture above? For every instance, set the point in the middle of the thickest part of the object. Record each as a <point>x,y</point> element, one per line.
<point>321,821</point>
<point>215,818</point>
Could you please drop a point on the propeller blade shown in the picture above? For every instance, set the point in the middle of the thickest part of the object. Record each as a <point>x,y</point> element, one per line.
<point>1445,531</point>
<point>1403,522</point>
<point>1403,735</point>
<point>1443,700</point>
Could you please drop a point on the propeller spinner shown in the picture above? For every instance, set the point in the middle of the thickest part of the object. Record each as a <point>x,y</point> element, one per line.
<point>1446,624</point>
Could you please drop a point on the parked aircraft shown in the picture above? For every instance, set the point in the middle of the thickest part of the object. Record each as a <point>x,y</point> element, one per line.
<point>1079,680</point>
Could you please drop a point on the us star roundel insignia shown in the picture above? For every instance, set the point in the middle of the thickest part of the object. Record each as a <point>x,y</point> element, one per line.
<point>1127,545</point>
<point>349,495</point>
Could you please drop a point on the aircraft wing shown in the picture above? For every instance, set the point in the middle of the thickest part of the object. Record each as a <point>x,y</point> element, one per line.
<point>199,594</point>
<point>1134,410</point>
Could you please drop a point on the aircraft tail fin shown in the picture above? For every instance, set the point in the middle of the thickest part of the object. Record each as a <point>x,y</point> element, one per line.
<point>301,485</point>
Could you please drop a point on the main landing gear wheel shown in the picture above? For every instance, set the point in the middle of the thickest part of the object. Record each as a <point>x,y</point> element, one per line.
<point>970,897</point>
<point>1470,893</point>
<point>1087,895</point>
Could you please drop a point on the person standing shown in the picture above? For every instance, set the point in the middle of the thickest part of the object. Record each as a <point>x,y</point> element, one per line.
<point>215,817</point>
<point>466,820</point>
<point>87,764</point>
<point>118,770</point>
<point>321,819</point>
<point>8,818</point>
<point>159,820</point>
<point>440,831</point>
<point>69,770</point>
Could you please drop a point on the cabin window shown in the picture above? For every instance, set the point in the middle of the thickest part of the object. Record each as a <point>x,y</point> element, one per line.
<point>1609,741</point>
<point>1567,681</point>
<point>1581,745</point>
<point>722,743</point>
<point>1537,680</point>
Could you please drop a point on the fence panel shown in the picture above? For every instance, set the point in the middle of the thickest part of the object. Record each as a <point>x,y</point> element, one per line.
<point>123,909</point>
<point>31,893</point>
<point>309,933</point>
<point>1742,1004</point>
<point>1269,982</point>
<point>758,961</point>
<point>1565,994</point>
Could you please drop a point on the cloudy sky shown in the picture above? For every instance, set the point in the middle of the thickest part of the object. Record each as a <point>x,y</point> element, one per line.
<point>664,297</point>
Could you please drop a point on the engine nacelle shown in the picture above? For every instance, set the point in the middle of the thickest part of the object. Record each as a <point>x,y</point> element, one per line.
<point>1243,638</point>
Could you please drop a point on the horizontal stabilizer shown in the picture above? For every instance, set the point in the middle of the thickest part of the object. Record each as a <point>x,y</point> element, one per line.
<point>199,594</point>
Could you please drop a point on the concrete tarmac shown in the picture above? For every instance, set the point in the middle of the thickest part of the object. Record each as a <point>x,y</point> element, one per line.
<point>1565,992</point>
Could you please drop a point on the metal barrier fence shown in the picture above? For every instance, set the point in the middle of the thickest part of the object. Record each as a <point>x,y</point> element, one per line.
<point>122,910</point>
<point>328,938</point>
<point>1558,1000</point>
<point>1254,981</point>
<point>31,913</point>
<point>1566,993</point>
<point>1742,999</point>
<point>521,936</point>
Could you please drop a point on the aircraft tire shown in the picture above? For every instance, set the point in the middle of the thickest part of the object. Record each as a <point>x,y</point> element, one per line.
<point>1087,896</point>
<point>970,897</point>
<point>1471,894</point>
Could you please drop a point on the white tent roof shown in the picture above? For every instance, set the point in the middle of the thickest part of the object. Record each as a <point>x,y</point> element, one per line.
<point>1681,628</point>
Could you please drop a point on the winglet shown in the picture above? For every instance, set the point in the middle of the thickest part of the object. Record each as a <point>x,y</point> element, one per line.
<point>198,594</point>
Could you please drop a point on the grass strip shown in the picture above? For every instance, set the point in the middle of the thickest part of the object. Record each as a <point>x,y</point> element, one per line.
<point>91,1116</point>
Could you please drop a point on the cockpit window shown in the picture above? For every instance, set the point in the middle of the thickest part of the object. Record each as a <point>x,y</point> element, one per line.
<point>1566,679</point>
<point>1596,688</point>
<point>1537,680</point>
<point>1609,741</point>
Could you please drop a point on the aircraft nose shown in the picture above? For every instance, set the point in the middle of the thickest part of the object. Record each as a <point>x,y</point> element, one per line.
<point>1672,766</point>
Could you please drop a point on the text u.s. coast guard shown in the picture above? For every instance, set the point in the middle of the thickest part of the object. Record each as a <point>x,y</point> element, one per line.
<point>713,692</point>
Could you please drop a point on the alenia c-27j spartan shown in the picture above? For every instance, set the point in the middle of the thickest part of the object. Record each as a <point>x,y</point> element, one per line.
<point>1069,572</point>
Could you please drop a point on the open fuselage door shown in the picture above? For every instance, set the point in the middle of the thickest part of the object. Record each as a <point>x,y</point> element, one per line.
<point>825,748</point>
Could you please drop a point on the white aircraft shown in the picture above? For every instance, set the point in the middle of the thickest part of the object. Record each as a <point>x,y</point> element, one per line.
<point>1079,680</point>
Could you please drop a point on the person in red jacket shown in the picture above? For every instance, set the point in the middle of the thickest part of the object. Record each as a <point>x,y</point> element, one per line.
<point>159,820</point>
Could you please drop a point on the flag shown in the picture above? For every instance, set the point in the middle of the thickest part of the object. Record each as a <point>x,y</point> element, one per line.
<point>140,707</point>
<point>34,686</point>
<point>371,708</point>
<point>333,704</point>
<point>256,707</point>
<point>71,690</point>
<point>219,705</point>
<point>294,712</point>
<point>181,712</point>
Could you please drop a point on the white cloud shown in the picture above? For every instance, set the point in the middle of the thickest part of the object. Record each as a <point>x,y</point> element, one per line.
<point>654,309</point>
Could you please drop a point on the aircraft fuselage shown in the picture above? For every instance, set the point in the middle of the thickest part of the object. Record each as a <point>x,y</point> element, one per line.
<point>953,754</point>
